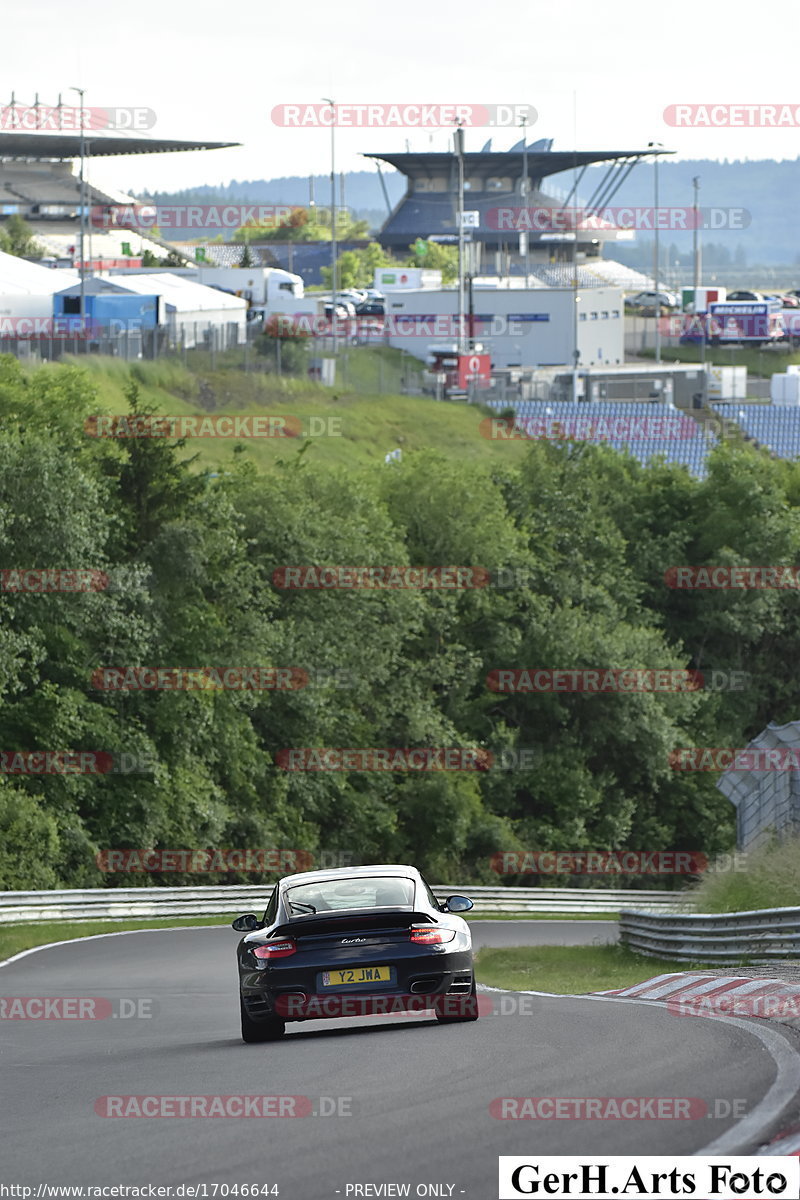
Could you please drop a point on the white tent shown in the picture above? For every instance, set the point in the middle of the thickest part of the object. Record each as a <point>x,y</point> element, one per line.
<point>191,308</point>
<point>26,289</point>
<point>18,276</point>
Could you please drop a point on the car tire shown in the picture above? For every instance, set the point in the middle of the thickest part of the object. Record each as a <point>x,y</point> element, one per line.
<point>268,1030</point>
<point>466,1007</point>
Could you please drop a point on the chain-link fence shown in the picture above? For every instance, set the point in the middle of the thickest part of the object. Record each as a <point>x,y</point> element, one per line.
<point>366,366</point>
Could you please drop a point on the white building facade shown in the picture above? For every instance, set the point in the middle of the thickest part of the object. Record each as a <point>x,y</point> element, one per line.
<point>518,327</point>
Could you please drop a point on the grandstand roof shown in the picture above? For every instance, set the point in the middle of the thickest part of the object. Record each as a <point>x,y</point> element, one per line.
<point>540,163</point>
<point>66,144</point>
<point>427,211</point>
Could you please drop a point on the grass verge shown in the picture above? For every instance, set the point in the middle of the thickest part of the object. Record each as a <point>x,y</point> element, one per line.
<point>765,878</point>
<point>568,969</point>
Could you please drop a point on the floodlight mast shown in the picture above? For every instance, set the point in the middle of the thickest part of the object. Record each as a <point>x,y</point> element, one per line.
<point>82,235</point>
<point>459,148</point>
<point>656,146</point>
<point>333,218</point>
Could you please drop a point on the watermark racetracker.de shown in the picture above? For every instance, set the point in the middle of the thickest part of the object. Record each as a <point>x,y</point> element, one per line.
<point>659,427</point>
<point>209,1106</point>
<point>193,216</point>
<point>383,758</point>
<point>545,219</point>
<point>732,116</point>
<point>593,680</point>
<point>333,577</point>
<point>405,115</point>
<point>204,861</point>
<point>217,425</point>
<point>599,862</point>
<point>52,579</point>
<point>65,117</point>
<point>732,578</point>
<point>727,758</point>
<point>188,679</point>
<point>615,1108</point>
<point>613,680</point>
<point>77,1008</point>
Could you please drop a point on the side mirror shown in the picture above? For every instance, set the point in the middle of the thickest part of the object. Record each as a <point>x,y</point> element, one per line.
<point>248,923</point>
<point>457,904</point>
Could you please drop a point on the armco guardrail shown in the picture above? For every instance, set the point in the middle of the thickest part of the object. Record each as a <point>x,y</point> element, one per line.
<point>116,904</point>
<point>759,936</point>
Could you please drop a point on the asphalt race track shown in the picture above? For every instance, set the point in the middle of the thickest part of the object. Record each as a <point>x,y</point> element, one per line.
<point>419,1094</point>
<point>543,933</point>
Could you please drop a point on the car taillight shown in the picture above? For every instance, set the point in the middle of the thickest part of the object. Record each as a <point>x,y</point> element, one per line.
<point>428,936</point>
<point>281,949</point>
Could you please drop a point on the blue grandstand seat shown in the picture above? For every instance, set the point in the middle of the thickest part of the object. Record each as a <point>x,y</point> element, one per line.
<point>688,445</point>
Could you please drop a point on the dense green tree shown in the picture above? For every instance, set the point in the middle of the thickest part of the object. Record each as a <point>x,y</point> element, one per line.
<point>16,237</point>
<point>571,555</point>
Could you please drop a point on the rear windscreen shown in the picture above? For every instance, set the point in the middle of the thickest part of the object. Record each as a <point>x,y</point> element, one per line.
<point>371,891</point>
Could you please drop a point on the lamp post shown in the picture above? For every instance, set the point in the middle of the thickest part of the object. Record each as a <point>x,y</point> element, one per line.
<point>333,218</point>
<point>524,191</point>
<point>459,146</point>
<point>656,253</point>
<point>696,239</point>
<point>576,352</point>
<point>696,282</point>
<point>80,92</point>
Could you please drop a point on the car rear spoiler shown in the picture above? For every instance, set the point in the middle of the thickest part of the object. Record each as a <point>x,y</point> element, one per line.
<point>317,925</point>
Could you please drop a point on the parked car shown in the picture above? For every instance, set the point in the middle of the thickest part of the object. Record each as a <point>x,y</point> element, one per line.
<point>354,296</point>
<point>653,300</point>
<point>344,310</point>
<point>371,308</point>
<point>744,294</point>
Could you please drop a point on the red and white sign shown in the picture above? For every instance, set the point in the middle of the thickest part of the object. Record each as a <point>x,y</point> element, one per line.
<point>474,368</point>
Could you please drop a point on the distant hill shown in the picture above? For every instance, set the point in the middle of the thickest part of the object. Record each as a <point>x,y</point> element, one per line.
<point>362,193</point>
<point>766,189</point>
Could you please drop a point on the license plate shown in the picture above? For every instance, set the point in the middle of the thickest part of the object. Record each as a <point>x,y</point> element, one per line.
<point>356,975</point>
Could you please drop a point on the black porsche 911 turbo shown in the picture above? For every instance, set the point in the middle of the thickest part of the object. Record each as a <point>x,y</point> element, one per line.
<point>353,942</point>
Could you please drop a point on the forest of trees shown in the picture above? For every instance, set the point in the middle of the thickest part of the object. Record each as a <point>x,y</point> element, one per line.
<point>584,534</point>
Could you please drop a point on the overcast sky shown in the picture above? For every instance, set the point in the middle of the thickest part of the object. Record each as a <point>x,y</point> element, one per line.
<point>598,75</point>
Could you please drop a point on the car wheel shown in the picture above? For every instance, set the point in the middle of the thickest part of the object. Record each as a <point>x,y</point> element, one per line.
<point>260,1031</point>
<point>454,1009</point>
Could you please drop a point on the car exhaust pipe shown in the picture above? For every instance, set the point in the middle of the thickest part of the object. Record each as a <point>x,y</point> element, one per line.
<point>425,986</point>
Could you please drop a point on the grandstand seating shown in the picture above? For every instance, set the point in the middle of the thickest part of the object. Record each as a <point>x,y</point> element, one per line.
<point>773,426</point>
<point>622,425</point>
<point>615,274</point>
<point>591,274</point>
<point>36,185</point>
